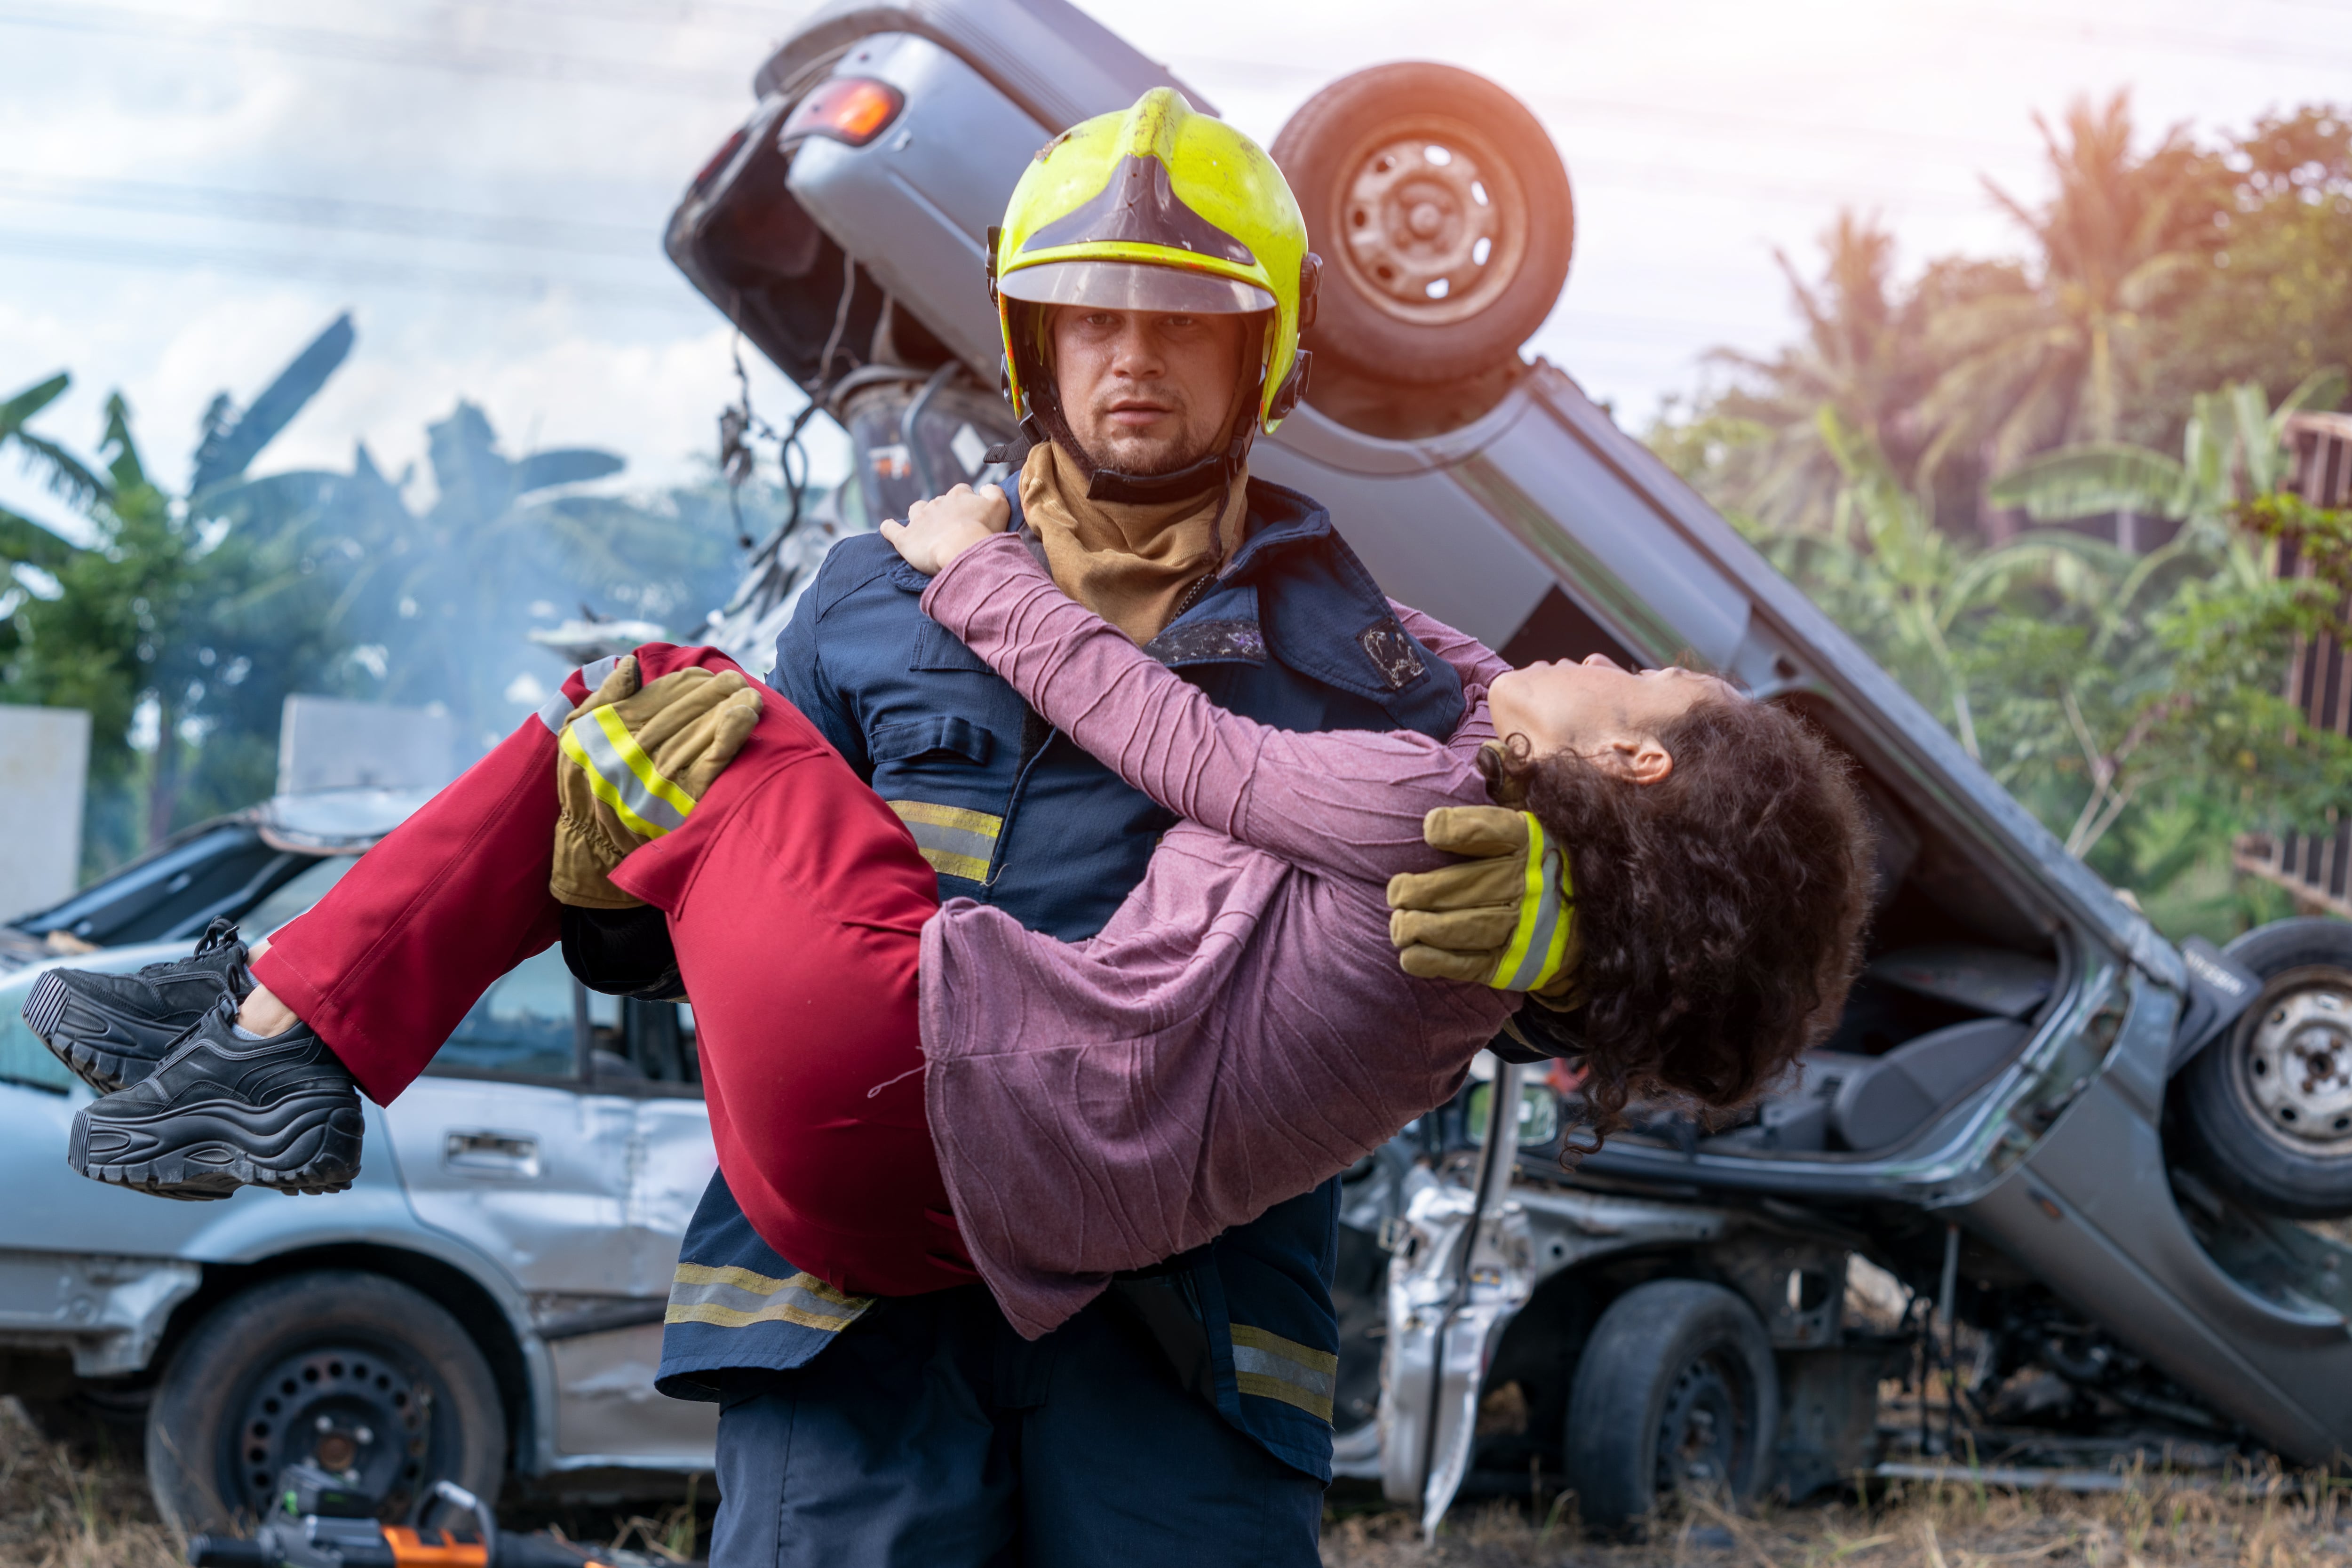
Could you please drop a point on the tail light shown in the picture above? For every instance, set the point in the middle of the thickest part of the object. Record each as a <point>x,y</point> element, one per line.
<point>727,150</point>
<point>850,109</point>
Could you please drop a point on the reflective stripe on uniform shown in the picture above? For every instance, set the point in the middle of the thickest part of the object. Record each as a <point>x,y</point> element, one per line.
<point>1538,943</point>
<point>958,843</point>
<point>1272,1367</point>
<point>731,1298</point>
<point>623,776</point>
<point>558,708</point>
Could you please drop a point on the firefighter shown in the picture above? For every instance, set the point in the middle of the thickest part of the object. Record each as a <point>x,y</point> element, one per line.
<point>1151,276</point>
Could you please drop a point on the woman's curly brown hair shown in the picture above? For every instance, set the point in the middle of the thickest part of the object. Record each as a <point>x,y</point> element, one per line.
<point>1719,911</point>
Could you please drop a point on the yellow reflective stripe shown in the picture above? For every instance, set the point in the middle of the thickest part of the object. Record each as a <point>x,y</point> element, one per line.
<point>1556,954</point>
<point>621,776</point>
<point>1506,967</point>
<point>601,784</point>
<point>1538,945</point>
<point>971,868</point>
<point>765,1284</point>
<point>923,811</point>
<point>1268,1366</point>
<point>738,1297</point>
<point>633,757</point>
<point>955,841</point>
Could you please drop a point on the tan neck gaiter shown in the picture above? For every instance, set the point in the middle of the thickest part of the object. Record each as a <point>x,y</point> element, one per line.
<point>1131,564</point>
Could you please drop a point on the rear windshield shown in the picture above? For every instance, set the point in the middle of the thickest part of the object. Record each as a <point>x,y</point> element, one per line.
<point>226,871</point>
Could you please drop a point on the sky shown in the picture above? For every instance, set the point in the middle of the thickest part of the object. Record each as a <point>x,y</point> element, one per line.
<point>189,191</point>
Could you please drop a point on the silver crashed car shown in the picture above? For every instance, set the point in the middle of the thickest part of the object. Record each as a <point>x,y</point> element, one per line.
<point>487,1296</point>
<point>2064,1151</point>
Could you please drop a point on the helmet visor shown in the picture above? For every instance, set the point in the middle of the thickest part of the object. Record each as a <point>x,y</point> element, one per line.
<point>1133,286</point>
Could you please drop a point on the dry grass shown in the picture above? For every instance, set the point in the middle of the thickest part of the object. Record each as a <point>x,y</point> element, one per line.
<point>2158,1522</point>
<point>61,1510</point>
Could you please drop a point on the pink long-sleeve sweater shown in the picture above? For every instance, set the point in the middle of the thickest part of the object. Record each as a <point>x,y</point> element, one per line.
<point>1240,1031</point>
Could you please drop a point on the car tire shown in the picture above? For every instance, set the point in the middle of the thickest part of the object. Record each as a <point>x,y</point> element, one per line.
<point>1392,223</point>
<point>350,1370</point>
<point>1676,1389</point>
<point>2266,1110</point>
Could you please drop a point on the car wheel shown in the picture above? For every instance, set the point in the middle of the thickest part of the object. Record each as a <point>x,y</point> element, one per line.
<point>355,1372</point>
<point>2268,1108</point>
<point>1675,1390</point>
<point>1443,215</point>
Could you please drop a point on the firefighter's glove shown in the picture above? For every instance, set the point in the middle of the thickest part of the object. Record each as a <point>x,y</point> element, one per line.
<point>630,765</point>
<point>1499,917</point>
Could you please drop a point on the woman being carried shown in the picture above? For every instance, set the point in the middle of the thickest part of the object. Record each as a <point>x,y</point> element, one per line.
<point>903,1094</point>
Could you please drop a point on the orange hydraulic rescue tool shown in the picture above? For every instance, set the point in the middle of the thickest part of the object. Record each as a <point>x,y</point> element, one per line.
<point>321,1522</point>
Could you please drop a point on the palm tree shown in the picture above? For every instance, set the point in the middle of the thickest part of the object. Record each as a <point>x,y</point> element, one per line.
<point>2233,446</point>
<point>1859,355</point>
<point>137,630</point>
<point>2047,360</point>
<point>22,541</point>
<point>433,605</point>
<point>1900,584</point>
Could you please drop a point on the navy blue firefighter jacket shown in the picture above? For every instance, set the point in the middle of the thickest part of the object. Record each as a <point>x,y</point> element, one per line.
<point>1295,633</point>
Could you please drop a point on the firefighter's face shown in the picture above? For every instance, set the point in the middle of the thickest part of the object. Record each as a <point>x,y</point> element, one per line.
<point>1147,392</point>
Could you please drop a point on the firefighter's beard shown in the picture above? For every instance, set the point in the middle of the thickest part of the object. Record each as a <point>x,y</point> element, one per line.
<point>1109,436</point>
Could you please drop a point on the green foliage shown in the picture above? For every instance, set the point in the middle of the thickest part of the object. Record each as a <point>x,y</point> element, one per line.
<point>2127,692</point>
<point>182,624</point>
<point>2273,302</point>
<point>2231,433</point>
<point>2132,702</point>
<point>2149,276</point>
<point>431,606</point>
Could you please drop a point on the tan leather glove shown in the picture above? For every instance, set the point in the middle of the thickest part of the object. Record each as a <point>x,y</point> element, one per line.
<point>630,765</point>
<point>1500,917</point>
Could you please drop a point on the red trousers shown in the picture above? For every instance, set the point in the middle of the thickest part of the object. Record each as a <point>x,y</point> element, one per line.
<point>796,900</point>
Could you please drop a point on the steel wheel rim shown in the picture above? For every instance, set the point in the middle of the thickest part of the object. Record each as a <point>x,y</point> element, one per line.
<point>363,1413</point>
<point>1431,223</point>
<point>1703,1437</point>
<point>2293,1067</point>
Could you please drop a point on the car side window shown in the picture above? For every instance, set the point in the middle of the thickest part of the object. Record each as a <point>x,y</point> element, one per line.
<point>649,1044</point>
<point>297,896</point>
<point>525,1026</point>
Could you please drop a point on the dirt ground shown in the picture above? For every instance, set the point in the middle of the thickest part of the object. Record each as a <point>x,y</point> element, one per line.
<point>60,1509</point>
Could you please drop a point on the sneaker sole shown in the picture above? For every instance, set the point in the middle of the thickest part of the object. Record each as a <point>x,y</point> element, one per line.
<point>314,1150</point>
<point>45,1014</point>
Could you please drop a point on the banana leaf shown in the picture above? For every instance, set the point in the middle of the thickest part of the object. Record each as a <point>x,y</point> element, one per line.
<point>2091,480</point>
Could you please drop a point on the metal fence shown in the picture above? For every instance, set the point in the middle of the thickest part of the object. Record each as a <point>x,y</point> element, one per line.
<point>2315,864</point>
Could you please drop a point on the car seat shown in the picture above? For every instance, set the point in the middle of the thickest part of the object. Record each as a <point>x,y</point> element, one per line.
<point>1885,1101</point>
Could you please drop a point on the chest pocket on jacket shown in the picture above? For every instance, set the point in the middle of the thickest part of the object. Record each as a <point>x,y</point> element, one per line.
<point>936,647</point>
<point>938,734</point>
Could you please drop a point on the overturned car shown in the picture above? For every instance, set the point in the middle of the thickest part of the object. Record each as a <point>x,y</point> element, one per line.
<point>2069,1152</point>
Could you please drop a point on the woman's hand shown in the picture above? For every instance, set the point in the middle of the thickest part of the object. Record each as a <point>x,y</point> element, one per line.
<point>937,531</point>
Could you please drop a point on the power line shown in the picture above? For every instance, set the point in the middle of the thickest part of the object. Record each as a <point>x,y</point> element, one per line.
<point>477,281</point>
<point>1673,113</point>
<point>330,213</point>
<point>374,49</point>
<point>2156,35</point>
<point>1678,177</point>
<point>709,15</point>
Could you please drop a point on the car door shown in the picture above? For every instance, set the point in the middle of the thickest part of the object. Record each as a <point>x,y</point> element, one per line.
<point>560,1134</point>
<point>642,1053</point>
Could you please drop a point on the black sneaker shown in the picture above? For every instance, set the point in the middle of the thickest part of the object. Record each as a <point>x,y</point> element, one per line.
<point>111,1030</point>
<point>219,1113</point>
